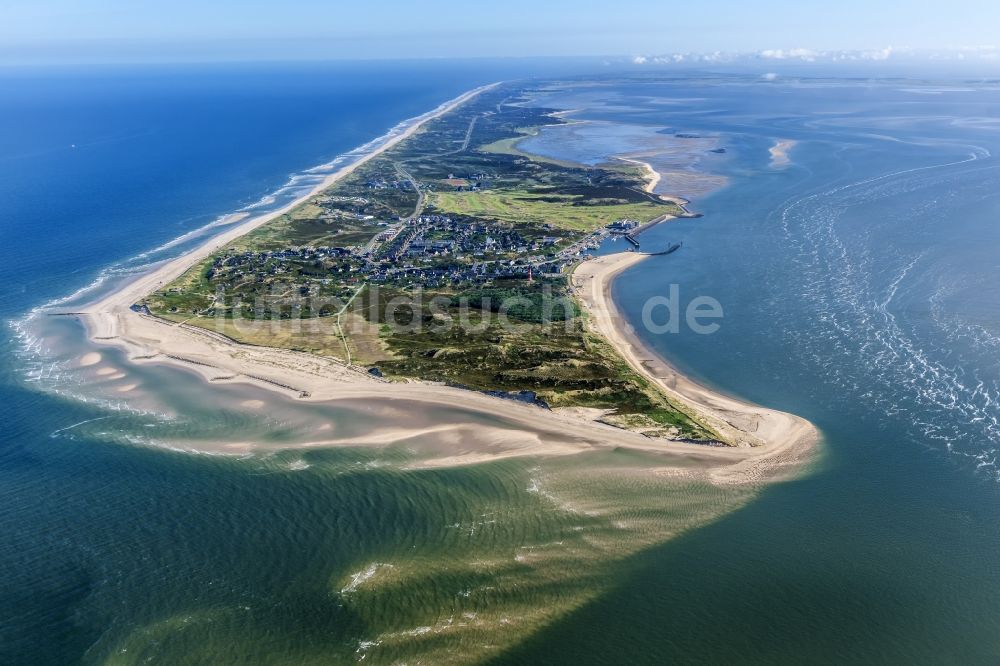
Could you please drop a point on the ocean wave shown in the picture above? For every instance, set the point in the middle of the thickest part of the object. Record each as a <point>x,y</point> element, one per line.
<point>359,578</point>
<point>852,283</point>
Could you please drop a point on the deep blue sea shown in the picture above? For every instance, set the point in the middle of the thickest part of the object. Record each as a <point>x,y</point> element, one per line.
<point>859,289</point>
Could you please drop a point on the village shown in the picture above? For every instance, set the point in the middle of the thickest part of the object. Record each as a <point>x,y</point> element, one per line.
<point>431,250</point>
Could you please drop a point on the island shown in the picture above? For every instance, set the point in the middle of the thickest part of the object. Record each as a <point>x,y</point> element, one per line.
<point>449,265</point>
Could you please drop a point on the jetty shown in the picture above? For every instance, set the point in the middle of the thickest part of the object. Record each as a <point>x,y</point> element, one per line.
<point>671,249</point>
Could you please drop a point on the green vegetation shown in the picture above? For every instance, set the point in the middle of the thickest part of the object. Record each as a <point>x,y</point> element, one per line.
<point>475,243</point>
<point>550,353</point>
<point>574,212</point>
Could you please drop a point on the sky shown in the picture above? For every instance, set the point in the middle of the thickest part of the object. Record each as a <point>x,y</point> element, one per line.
<point>33,31</point>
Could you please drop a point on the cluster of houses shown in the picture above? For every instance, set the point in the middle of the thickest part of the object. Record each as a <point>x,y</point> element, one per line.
<point>420,247</point>
<point>480,272</point>
<point>274,262</point>
<point>383,184</point>
<point>623,226</point>
<point>431,236</point>
<point>432,250</point>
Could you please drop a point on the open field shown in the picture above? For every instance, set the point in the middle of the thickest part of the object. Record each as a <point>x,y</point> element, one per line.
<point>572,212</point>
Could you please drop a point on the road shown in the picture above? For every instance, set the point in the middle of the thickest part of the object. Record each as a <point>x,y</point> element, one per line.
<point>421,195</point>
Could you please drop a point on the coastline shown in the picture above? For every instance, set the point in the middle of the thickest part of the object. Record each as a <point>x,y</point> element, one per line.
<point>766,442</point>
<point>783,441</point>
<point>653,179</point>
<point>653,176</point>
<point>101,314</point>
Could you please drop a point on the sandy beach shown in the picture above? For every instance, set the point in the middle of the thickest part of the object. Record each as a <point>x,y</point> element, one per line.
<point>652,175</point>
<point>779,153</point>
<point>653,178</point>
<point>778,440</point>
<point>765,443</point>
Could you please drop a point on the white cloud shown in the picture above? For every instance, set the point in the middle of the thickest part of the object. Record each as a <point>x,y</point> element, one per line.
<point>677,58</point>
<point>881,54</point>
<point>984,53</point>
<point>791,54</point>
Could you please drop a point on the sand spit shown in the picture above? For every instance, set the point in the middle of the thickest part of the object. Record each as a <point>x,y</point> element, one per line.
<point>778,440</point>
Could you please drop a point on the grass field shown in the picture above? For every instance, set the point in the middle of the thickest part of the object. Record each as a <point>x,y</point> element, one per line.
<point>570,212</point>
